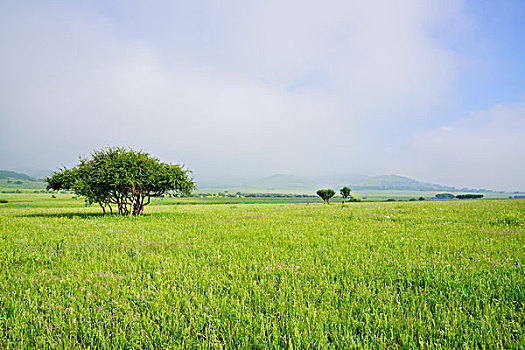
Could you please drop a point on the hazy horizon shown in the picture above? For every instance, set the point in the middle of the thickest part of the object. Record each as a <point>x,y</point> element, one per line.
<point>432,90</point>
<point>328,181</point>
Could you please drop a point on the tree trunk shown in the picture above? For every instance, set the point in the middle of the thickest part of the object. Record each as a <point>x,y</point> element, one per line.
<point>103,209</point>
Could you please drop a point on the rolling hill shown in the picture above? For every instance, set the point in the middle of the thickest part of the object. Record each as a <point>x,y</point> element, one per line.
<point>11,179</point>
<point>291,183</point>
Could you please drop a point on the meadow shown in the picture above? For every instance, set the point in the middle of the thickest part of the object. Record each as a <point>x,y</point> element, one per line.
<point>426,274</point>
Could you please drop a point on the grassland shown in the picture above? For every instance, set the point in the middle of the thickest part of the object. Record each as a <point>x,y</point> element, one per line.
<point>9,184</point>
<point>429,274</point>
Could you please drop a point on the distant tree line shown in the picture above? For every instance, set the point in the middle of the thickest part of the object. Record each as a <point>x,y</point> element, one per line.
<point>445,196</point>
<point>274,195</point>
<point>252,195</point>
<point>11,191</point>
<point>469,196</point>
<point>18,182</point>
<point>459,196</point>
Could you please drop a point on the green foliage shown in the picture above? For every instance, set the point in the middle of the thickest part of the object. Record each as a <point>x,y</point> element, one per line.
<point>326,195</point>
<point>469,196</point>
<point>445,196</point>
<point>124,178</point>
<point>345,192</point>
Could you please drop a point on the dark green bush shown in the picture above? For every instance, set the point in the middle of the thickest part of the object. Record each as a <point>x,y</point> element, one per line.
<point>469,196</point>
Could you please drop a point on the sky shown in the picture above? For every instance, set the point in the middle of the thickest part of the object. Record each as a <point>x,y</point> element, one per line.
<point>432,90</point>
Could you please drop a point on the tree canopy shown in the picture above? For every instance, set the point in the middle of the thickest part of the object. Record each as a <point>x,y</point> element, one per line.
<point>469,196</point>
<point>123,178</point>
<point>445,196</point>
<point>345,192</point>
<point>326,195</point>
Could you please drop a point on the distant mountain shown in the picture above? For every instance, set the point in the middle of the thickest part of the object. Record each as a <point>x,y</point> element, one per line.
<point>282,182</point>
<point>394,182</point>
<point>11,179</point>
<point>6,174</point>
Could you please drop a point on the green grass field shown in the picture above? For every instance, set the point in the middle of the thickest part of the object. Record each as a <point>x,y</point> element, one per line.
<point>429,274</point>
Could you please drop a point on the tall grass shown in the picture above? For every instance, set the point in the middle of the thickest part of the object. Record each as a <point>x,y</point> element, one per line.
<point>269,276</point>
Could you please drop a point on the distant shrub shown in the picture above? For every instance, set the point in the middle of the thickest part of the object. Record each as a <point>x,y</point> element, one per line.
<point>53,196</point>
<point>445,196</point>
<point>12,191</point>
<point>421,198</point>
<point>3,200</point>
<point>14,182</point>
<point>390,200</point>
<point>469,196</point>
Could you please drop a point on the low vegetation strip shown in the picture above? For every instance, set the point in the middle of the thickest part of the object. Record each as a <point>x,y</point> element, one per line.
<point>441,274</point>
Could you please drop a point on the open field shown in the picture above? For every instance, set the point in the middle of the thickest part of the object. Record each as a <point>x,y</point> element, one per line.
<point>22,197</point>
<point>9,184</point>
<point>429,274</point>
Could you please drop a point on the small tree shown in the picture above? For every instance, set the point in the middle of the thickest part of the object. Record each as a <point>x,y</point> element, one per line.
<point>326,195</point>
<point>345,192</point>
<point>124,178</point>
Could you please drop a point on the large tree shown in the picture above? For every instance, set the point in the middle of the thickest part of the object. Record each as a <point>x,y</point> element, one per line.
<point>345,192</point>
<point>125,179</point>
<point>326,195</point>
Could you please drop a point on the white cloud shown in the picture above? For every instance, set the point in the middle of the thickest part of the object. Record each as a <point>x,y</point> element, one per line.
<point>228,88</point>
<point>484,150</point>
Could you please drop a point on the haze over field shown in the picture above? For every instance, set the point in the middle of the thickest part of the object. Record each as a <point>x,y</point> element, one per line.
<point>432,90</point>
